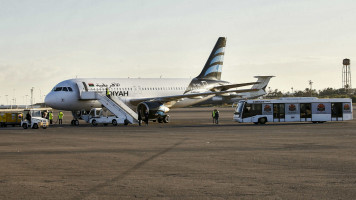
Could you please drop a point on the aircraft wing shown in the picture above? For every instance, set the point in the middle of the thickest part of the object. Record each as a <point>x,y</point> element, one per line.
<point>191,95</point>
<point>226,87</point>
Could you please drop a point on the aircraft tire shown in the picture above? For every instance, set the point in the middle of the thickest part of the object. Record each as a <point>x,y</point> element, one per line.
<point>166,119</point>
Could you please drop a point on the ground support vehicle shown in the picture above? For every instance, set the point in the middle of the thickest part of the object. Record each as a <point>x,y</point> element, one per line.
<point>100,116</point>
<point>32,118</point>
<point>294,109</point>
<point>10,118</point>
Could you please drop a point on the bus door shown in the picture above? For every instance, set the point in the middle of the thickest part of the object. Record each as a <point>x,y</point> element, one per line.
<point>336,112</point>
<point>247,112</point>
<point>305,112</point>
<point>278,112</point>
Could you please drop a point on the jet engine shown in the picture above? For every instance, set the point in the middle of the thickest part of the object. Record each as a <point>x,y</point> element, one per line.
<point>155,109</point>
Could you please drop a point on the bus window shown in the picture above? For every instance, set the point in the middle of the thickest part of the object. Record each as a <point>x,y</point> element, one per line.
<point>239,108</point>
<point>251,110</point>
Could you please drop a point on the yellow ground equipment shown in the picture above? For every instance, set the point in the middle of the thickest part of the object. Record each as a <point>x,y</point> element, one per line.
<point>12,118</point>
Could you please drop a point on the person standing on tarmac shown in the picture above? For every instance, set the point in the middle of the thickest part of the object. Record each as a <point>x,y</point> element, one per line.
<point>50,117</point>
<point>139,118</point>
<point>60,117</point>
<point>28,117</point>
<point>213,116</point>
<point>217,116</point>
<point>146,118</point>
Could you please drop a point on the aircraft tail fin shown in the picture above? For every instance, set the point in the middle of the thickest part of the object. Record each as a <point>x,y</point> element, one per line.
<point>213,66</point>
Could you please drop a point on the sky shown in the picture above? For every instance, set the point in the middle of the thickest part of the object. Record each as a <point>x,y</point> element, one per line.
<point>43,42</point>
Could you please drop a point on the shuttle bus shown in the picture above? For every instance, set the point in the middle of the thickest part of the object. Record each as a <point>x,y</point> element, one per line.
<point>294,109</point>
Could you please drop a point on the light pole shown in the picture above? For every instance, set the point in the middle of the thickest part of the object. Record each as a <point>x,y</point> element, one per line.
<point>311,87</point>
<point>32,95</point>
<point>26,100</point>
<point>292,90</point>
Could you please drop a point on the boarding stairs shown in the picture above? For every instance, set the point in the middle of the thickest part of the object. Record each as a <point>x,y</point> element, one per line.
<point>114,105</point>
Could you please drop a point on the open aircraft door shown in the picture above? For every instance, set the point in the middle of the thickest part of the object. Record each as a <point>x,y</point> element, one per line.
<point>82,87</point>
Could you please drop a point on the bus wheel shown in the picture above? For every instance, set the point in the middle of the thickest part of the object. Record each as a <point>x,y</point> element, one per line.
<point>76,122</point>
<point>24,126</point>
<point>262,120</point>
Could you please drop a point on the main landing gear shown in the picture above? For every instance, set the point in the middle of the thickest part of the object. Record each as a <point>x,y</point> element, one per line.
<point>76,116</point>
<point>74,122</point>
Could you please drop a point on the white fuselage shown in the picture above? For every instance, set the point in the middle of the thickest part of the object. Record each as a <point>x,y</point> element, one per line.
<point>125,88</point>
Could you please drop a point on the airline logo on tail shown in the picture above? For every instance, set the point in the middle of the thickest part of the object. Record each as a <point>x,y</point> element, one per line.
<point>214,64</point>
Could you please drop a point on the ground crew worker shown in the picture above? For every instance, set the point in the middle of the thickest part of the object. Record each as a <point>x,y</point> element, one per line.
<point>217,116</point>
<point>60,117</point>
<point>28,117</point>
<point>146,117</point>
<point>139,118</point>
<point>107,92</point>
<point>213,116</point>
<point>50,117</point>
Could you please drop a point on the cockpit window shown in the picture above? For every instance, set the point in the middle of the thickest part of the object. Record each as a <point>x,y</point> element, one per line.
<point>58,89</point>
<point>66,89</point>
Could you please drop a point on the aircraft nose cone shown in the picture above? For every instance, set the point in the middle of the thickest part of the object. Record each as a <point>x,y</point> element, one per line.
<point>50,99</point>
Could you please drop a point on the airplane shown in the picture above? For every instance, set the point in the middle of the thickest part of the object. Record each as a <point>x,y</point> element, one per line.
<point>155,95</point>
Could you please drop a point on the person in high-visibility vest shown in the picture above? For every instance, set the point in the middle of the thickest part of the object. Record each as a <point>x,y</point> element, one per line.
<point>213,116</point>
<point>50,117</point>
<point>60,117</point>
<point>107,92</point>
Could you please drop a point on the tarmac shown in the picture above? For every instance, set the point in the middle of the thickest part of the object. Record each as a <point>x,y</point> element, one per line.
<point>188,158</point>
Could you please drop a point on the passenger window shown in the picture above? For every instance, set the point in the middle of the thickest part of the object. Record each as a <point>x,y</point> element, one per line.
<point>65,89</point>
<point>58,89</point>
<point>70,89</point>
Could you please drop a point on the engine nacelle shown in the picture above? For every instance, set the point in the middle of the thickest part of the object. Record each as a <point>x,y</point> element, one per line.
<point>155,109</point>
